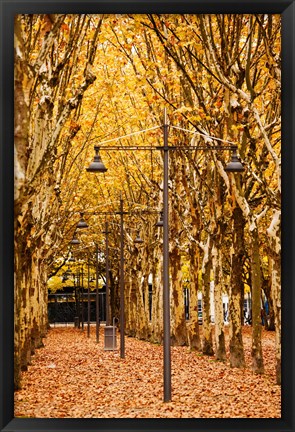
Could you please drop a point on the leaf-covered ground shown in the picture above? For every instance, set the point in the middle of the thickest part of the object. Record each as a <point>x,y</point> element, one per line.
<point>72,376</point>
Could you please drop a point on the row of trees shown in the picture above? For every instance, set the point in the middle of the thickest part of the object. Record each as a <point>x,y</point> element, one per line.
<point>84,80</point>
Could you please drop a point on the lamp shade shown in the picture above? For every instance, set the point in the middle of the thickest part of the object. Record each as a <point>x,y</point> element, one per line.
<point>138,239</point>
<point>97,165</point>
<point>160,223</point>
<point>82,223</point>
<point>234,165</point>
<point>75,240</point>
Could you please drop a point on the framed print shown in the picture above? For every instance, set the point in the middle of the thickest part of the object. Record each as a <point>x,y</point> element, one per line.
<point>147,215</point>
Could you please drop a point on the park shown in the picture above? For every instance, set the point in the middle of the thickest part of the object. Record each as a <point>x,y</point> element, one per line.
<point>147,216</point>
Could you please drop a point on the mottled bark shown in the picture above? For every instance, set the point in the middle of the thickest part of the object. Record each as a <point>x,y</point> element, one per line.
<point>237,357</point>
<point>136,316</point>
<point>193,330</point>
<point>37,129</point>
<point>178,323</point>
<point>30,308</point>
<point>266,286</point>
<point>274,232</point>
<point>131,287</point>
<point>256,351</point>
<point>142,320</point>
<point>188,181</point>
<point>157,298</point>
<point>146,307</point>
<point>178,326</point>
<point>21,132</point>
<point>207,343</point>
<point>219,319</point>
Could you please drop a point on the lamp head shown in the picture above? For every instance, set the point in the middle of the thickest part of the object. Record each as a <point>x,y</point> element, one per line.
<point>234,165</point>
<point>74,240</point>
<point>160,223</point>
<point>97,165</point>
<point>138,239</point>
<point>82,223</point>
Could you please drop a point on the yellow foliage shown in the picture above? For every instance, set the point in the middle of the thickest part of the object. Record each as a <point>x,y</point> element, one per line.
<point>55,283</point>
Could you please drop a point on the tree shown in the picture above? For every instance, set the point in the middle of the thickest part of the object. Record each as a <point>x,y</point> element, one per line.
<point>49,87</point>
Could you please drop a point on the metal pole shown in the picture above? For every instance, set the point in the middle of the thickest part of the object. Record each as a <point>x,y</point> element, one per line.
<point>97,295</point>
<point>122,305</point>
<point>76,302</point>
<point>88,287</point>
<point>82,297</point>
<point>55,307</point>
<point>166,293</point>
<point>79,299</point>
<point>107,277</point>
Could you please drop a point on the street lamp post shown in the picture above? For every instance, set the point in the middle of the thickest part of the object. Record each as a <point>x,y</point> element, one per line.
<point>233,166</point>
<point>79,297</point>
<point>81,225</point>
<point>82,296</point>
<point>98,166</point>
<point>88,298</point>
<point>166,291</point>
<point>107,232</point>
<point>122,302</point>
<point>96,293</point>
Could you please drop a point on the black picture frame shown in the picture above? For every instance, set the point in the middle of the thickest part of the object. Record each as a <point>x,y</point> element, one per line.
<point>7,11</point>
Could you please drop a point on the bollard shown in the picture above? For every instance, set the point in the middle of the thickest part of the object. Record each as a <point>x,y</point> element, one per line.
<point>110,338</point>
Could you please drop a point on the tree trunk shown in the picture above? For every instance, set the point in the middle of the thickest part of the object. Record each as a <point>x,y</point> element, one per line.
<point>193,329</point>
<point>41,111</point>
<point>178,322</point>
<point>145,316</point>
<point>157,299</point>
<point>275,243</point>
<point>237,358</point>
<point>266,285</point>
<point>30,308</point>
<point>131,303</point>
<point>206,271</point>
<point>256,352</point>
<point>178,325</point>
<point>219,318</point>
<point>142,327</point>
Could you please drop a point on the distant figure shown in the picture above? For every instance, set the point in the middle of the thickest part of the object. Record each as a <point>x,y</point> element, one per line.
<point>247,318</point>
<point>225,316</point>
